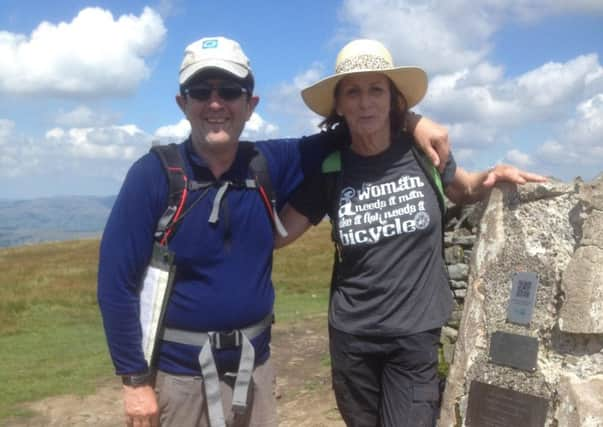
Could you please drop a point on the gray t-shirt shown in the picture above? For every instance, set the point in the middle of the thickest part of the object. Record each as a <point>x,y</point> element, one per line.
<point>392,279</point>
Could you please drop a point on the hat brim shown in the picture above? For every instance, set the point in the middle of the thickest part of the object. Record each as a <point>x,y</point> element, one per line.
<point>230,67</point>
<point>410,81</point>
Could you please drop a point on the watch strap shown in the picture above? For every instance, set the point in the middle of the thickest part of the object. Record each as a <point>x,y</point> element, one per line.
<point>137,380</point>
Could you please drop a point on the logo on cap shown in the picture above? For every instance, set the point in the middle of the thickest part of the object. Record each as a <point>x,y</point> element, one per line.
<point>208,44</point>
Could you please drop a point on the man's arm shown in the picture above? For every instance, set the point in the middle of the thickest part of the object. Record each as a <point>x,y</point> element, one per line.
<point>431,137</point>
<point>470,187</point>
<point>124,254</point>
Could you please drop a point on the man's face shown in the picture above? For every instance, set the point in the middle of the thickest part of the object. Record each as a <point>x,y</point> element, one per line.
<point>217,110</point>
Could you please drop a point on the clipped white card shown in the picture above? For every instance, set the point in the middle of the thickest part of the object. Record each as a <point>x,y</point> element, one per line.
<point>156,288</point>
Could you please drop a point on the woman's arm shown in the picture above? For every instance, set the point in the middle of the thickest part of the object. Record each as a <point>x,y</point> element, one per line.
<point>470,187</point>
<point>295,223</point>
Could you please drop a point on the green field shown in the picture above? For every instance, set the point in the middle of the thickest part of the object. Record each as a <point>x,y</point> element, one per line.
<point>51,339</point>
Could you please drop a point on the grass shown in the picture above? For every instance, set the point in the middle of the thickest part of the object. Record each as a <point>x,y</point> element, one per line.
<point>51,337</point>
<point>51,340</point>
<point>302,273</point>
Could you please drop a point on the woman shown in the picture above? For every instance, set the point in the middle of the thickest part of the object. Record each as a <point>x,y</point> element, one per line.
<point>390,293</point>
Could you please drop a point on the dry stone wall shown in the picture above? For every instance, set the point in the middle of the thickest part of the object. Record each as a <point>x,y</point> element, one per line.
<point>556,231</point>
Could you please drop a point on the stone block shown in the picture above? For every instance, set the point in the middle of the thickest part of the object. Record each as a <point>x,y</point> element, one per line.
<point>580,401</point>
<point>454,254</point>
<point>582,310</point>
<point>458,271</point>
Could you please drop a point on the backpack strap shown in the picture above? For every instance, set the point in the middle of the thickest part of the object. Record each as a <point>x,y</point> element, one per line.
<point>433,175</point>
<point>258,165</point>
<point>172,163</point>
<point>331,169</point>
<point>179,187</point>
<point>332,163</point>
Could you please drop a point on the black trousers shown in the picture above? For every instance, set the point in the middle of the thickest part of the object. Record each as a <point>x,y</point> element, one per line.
<point>386,381</point>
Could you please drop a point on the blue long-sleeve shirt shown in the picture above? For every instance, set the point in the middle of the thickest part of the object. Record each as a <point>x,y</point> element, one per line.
<point>223,270</point>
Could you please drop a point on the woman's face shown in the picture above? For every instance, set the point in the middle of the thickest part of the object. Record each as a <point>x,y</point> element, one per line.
<point>364,101</point>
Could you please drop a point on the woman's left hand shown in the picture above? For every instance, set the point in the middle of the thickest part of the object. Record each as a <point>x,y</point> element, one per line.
<point>470,187</point>
<point>508,173</point>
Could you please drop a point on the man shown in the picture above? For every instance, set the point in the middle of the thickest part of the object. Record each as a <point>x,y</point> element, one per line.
<point>223,256</point>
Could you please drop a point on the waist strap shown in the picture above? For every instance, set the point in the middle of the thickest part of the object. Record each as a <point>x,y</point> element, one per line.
<point>211,382</point>
<point>219,340</point>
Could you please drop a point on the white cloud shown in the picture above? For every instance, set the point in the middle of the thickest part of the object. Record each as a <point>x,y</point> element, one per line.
<point>531,10</point>
<point>484,108</point>
<point>257,128</point>
<point>447,35</point>
<point>173,133</point>
<point>125,142</point>
<point>551,149</point>
<point>519,158</point>
<point>560,83</point>
<point>94,54</point>
<point>482,74</point>
<point>467,158</point>
<point>83,116</point>
<point>455,98</point>
<point>286,105</point>
<point>586,131</point>
<point>474,135</point>
<point>579,147</point>
<point>440,36</point>
<point>18,155</point>
<point>6,130</point>
<point>167,8</point>
<point>542,93</point>
<point>100,153</point>
<point>103,152</point>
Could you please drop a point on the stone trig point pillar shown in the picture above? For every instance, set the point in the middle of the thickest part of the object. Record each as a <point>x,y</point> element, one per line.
<point>530,345</point>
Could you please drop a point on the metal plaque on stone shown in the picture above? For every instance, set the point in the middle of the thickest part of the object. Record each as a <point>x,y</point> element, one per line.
<point>523,298</point>
<point>516,351</point>
<point>493,406</point>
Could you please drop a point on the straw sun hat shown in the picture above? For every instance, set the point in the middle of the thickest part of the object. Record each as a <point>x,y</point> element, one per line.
<point>365,56</point>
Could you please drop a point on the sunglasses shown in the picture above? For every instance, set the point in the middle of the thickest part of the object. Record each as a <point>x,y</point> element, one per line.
<point>228,92</point>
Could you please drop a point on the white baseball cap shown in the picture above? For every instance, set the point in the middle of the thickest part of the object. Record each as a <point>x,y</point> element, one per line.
<point>214,53</point>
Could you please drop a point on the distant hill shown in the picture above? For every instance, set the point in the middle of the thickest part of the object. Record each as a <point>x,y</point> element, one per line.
<point>52,219</point>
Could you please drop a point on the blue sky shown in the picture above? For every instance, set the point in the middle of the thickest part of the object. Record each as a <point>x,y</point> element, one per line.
<point>86,86</point>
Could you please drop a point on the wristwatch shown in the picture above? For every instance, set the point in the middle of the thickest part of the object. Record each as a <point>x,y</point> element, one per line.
<point>137,380</point>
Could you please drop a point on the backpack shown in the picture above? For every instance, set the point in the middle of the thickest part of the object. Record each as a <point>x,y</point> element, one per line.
<point>331,168</point>
<point>158,279</point>
<point>179,187</point>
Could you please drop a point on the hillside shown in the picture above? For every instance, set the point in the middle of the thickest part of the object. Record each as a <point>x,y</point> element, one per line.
<point>52,219</point>
<point>48,296</point>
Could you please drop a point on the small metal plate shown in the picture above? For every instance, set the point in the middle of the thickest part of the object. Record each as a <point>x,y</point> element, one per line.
<point>523,298</point>
<point>516,351</point>
<point>493,406</point>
